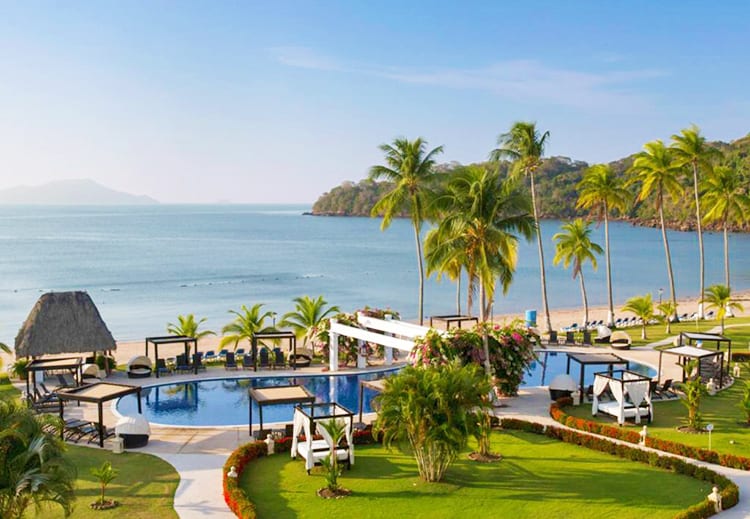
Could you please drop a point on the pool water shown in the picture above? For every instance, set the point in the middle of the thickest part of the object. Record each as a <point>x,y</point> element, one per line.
<point>223,402</point>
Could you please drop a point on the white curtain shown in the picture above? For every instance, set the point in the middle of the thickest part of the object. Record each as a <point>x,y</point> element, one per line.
<point>616,389</point>
<point>600,384</point>
<point>638,391</point>
<point>302,422</point>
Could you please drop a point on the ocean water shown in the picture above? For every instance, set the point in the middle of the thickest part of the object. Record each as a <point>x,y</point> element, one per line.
<point>145,265</point>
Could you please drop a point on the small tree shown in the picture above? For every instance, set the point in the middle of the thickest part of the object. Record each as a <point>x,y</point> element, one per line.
<point>745,402</point>
<point>104,474</point>
<point>187,326</point>
<point>693,390</point>
<point>667,310</point>
<point>643,308</point>
<point>720,297</point>
<point>307,317</point>
<point>335,429</point>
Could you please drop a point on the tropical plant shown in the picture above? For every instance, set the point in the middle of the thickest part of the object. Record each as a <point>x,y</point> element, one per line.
<point>480,215</point>
<point>693,391</point>
<point>18,368</point>
<point>105,475</point>
<point>574,246</point>
<point>745,401</point>
<point>33,468</point>
<point>643,308</point>
<point>5,349</point>
<point>247,322</point>
<point>335,429</point>
<point>720,297</point>
<point>725,201</point>
<point>307,316</point>
<point>433,409</point>
<point>483,431</point>
<point>524,146</point>
<point>667,310</point>
<point>412,171</point>
<point>691,150</point>
<point>656,173</point>
<point>602,191</point>
<point>187,326</point>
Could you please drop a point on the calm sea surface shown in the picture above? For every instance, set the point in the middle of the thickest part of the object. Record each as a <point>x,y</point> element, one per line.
<point>145,265</point>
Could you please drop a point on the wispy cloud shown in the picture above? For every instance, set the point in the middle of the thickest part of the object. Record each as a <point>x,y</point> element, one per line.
<point>519,80</point>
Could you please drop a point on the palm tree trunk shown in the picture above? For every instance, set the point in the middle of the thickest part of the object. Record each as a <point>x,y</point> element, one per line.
<point>669,258</point>
<point>585,300</point>
<point>542,274</point>
<point>726,254</point>
<point>458,294</point>
<point>485,339</point>
<point>420,268</point>
<point>611,312</point>
<point>700,240</point>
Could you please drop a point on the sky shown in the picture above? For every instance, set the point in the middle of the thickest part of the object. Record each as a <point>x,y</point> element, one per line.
<point>278,102</point>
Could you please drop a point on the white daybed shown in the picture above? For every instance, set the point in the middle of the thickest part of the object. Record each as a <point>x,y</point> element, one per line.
<point>623,385</point>
<point>313,451</point>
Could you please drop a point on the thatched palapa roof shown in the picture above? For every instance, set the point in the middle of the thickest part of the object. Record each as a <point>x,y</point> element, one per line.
<point>63,322</point>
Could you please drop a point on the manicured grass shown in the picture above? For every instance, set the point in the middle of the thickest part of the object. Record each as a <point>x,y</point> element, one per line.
<point>538,477</point>
<point>656,332</point>
<point>145,486</point>
<point>722,410</point>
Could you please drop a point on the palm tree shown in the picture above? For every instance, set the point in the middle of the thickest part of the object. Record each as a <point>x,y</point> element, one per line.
<point>643,308</point>
<point>412,171</point>
<point>655,170</point>
<point>480,215</point>
<point>33,468</point>
<point>525,146</point>
<point>690,148</point>
<point>726,202</point>
<point>574,246</point>
<point>188,327</point>
<point>247,322</point>
<point>667,310</point>
<point>720,297</point>
<point>308,315</point>
<point>602,191</point>
<point>452,266</point>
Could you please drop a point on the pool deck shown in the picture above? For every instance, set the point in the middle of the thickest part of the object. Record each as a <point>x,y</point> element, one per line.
<point>198,454</point>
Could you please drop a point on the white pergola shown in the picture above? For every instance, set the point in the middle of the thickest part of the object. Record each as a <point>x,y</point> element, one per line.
<point>390,333</point>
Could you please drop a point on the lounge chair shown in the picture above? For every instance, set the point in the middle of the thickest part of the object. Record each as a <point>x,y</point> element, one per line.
<point>570,337</point>
<point>210,356</point>
<point>139,367</point>
<point>587,338</point>
<point>230,362</point>
<point>66,380</point>
<point>278,358</point>
<point>620,340</point>
<point>665,391</point>
<point>162,368</point>
<point>300,360</point>
<point>263,358</point>
<point>247,361</point>
<point>223,353</point>
<point>239,352</point>
<point>553,337</point>
<point>198,361</point>
<point>181,364</point>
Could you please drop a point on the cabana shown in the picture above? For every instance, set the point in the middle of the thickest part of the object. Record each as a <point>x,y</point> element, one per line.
<point>594,359</point>
<point>623,383</point>
<point>275,395</point>
<point>71,364</point>
<point>272,336</point>
<point>306,417</point>
<point>452,320</point>
<point>173,339</point>
<point>97,394</point>
<point>63,322</point>
<point>687,353</point>
<point>692,338</point>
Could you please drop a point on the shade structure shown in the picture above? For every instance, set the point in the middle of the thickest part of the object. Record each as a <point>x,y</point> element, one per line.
<point>63,322</point>
<point>686,353</point>
<point>594,359</point>
<point>290,394</point>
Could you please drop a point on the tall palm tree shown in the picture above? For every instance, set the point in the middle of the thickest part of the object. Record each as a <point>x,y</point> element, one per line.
<point>412,170</point>
<point>33,467</point>
<point>574,246</point>
<point>726,202</point>
<point>247,322</point>
<point>307,315</point>
<point>720,297</point>
<point>524,145</point>
<point>452,267</point>
<point>657,174</point>
<point>643,308</point>
<point>187,326</point>
<point>602,191</point>
<point>480,216</point>
<point>690,149</point>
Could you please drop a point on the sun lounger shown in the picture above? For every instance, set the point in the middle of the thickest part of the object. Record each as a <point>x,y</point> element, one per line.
<point>182,366</point>
<point>162,368</point>
<point>553,337</point>
<point>139,367</point>
<point>66,380</point>
<point>278,358</point>
<point>230,363</point>
<point>210,356</point>
<point>570,338</point>
<point>263,358</point>
<point>239,352</point>
<point>198,361</point>
<point>247,361</point>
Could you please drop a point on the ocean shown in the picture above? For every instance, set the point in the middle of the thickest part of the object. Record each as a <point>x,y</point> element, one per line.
<point>145,265</point>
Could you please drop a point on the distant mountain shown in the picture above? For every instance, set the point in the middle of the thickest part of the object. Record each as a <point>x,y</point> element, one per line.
<point>71,192</point>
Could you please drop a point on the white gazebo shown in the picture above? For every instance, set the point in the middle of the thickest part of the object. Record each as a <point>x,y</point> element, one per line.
<point>624,385</point>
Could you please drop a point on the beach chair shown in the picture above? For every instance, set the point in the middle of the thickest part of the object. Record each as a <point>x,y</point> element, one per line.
<point>162,368</point>
<point>278,358</point>
<point>230,362</point>
<point>665,391</point>
<point>263,358</point>
<point>710,315</point>
<point>247,361</point>
<point>223,354</point>
<point>198,361</point>
<point>552,337</point>
<point>239,352</point>
<point>66,380</point>
<point>587,338</point>
<point>210,356</point>
<point>570,337</point>
<point>181,364</point>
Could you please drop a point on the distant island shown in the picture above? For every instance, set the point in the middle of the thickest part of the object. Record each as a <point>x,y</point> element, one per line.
<point>557,180</point>
<point>70,192</point>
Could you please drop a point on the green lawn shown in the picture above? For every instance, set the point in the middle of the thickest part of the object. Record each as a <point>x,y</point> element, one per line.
<point>656,332</point>
<point>721,410</point>
<point>538,477</point>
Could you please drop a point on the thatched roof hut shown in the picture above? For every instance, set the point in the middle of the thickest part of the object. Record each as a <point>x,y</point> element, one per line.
<point>63,322</point>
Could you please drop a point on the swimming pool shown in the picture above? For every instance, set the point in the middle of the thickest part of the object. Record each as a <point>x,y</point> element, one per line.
<point>223,402</point>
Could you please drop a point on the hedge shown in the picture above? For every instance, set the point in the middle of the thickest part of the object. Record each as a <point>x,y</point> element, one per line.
<point>730,493</point>
<point>711,456</point>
